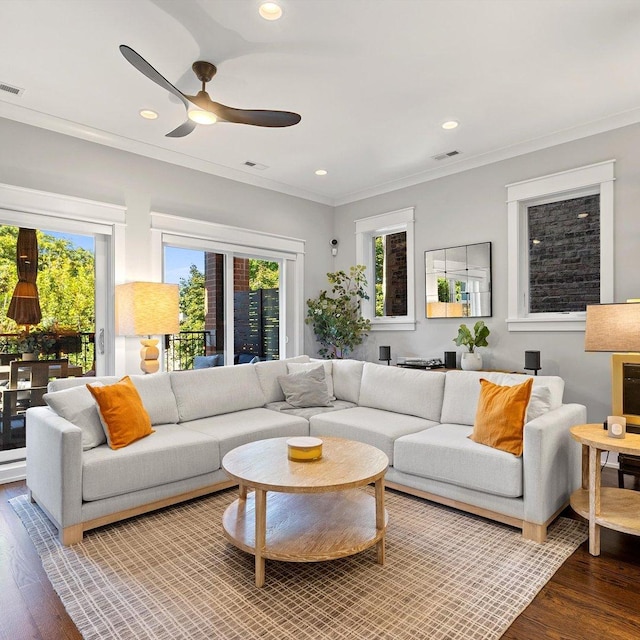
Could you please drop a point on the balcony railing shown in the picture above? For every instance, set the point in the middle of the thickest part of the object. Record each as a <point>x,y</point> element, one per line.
<point>181,348</point>
<point>79,348</point>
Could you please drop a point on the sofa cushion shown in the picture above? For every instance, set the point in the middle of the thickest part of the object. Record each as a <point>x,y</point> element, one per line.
<point>308,412</point>
<point>77,405</point>
<point>122,413</point>
<point>418,393</point>
<point>462,390</point>
<point>170,454</point>
<point>501,414</point>
<point>157,397</point>
<point>307,388</point>
<point>347,376</point>
<point>372,426</point>
<point>268,373</point>
<point>446,453</point>
<point>210,392</point>
<point>294,367</point>
<point>234,429</point>
<point>205,362</point>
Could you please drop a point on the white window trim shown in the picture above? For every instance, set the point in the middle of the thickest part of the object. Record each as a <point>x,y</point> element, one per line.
<point>178,231</point>
<point>366,230</point>
<point>591,179</point>
<point>23,207</point>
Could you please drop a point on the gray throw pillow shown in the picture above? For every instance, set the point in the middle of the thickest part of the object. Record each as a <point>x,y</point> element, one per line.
<point>78,407</point>
<point>306,388</point>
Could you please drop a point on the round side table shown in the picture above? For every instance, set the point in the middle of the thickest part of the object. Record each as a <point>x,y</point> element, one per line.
<point>609,507</point>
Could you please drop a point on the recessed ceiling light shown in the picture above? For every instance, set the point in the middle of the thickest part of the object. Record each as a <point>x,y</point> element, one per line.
<point>321,172</point>
<point>148,114</point>
<point>584,214</point>
<point>450,124</point>
<point>202,117</point>
<point>270,11</point>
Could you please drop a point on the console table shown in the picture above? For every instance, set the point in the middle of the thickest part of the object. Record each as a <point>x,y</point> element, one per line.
<point>610,507</point>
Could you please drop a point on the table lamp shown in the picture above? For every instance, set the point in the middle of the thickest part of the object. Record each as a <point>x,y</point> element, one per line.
<point>613,327</point>
<point>147,309</point>
<point>616,328</point>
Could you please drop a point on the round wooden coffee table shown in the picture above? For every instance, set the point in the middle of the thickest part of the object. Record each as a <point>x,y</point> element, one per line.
<point>316,511</point>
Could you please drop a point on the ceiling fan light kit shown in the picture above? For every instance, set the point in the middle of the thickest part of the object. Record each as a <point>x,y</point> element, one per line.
<point>207,111</point>
<point>201,117</point>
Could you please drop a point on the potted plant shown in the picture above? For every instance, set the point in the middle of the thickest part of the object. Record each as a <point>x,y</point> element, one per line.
<point>336,317</point>
<point>471,360</point>
<point>33,343</point>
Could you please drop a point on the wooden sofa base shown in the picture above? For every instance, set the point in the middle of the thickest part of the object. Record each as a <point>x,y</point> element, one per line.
<point>530,530</point>
<point>74,533</point>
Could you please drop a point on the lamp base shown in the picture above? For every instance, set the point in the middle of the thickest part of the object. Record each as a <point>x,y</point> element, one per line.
<point>149,354</point>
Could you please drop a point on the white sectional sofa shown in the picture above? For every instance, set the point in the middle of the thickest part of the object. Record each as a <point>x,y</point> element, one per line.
<point>420,419</point>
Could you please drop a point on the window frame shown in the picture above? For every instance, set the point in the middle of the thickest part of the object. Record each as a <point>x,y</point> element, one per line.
<point>238,242</point>
<point>366,231</point>
<point>588,180</point>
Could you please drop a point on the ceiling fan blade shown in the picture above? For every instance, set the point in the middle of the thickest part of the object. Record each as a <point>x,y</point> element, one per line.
<point>146,69</point>
<point>184,129</point>
<point>259,117</point>
<point>256,117</point>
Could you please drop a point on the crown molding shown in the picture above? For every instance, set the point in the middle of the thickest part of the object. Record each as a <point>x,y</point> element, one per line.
<point>66,127</point>
<point>559,137</point>
<point>76,130</point>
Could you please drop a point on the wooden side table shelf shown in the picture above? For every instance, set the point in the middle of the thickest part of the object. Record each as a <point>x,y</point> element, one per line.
<point>610,507</point>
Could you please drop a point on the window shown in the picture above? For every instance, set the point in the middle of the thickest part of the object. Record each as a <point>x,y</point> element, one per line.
<point>384,245</point>
<point>560,233</point>
<point>87,221</point>
<point>239,301</point>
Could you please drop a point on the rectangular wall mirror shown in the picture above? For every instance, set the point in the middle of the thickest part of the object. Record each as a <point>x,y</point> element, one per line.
<point>458,281</point>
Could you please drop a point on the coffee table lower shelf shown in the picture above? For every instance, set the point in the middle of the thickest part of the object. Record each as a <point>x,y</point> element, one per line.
<point>307,527</point>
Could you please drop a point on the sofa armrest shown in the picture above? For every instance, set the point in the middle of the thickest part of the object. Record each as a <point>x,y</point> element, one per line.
<point>552,462</point>
<point>54,465</point>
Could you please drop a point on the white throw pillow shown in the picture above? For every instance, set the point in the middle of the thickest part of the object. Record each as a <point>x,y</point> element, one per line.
<point>540,402</point>
<point>295,367</point>
<point>78,407</point>
<point>306,388</point>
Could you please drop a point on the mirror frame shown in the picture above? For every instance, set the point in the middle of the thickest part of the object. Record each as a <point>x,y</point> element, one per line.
<point>434,307</point>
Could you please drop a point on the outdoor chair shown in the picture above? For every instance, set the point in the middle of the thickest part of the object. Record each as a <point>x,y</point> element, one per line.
<point>28,380</point>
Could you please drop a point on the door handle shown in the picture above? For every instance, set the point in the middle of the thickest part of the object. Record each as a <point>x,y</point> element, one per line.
<point>101,342</point>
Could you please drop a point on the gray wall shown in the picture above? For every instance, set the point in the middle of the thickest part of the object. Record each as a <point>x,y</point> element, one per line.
<point>471,207</point>
<point>39,159</point>
<point>459,209</point>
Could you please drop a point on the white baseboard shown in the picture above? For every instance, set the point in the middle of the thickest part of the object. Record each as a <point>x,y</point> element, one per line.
<point>13,471</point>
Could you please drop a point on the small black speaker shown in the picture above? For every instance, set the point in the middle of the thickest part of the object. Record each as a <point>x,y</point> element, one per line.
<point>532,361</point>
<point>450,359</point>
<point>385,354</point>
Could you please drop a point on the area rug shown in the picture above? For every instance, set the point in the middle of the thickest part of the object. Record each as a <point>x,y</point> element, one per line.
<point>171,574</point>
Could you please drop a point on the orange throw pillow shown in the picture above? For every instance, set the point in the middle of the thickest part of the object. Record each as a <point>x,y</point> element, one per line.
<point>122,413</point>
<point>501,414</point>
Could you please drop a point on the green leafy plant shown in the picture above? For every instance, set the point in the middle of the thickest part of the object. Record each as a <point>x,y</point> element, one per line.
<point>36,342</point>
<point>336,317</point>
<point>472,340</point>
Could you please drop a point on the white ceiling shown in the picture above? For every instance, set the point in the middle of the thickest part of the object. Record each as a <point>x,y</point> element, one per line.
<point>372,79</point>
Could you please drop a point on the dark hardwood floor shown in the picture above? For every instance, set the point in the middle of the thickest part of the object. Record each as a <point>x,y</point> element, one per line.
<point>588,598</point>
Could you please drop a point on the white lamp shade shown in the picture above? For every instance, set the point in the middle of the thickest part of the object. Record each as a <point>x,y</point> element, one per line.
<point>613,327</point>
<point>147,308</point>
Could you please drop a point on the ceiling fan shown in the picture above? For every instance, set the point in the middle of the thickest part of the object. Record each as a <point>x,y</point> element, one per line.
<point>207,111</point>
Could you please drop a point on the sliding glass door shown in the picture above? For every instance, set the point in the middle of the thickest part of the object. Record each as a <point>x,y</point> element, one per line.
<point>230,305</point>
<point>72,277</point>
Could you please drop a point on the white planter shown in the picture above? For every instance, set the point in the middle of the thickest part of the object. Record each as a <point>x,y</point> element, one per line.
<point>471,361</point>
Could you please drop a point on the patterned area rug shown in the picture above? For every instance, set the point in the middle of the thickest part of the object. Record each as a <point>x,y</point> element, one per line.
<point>171,574</point>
